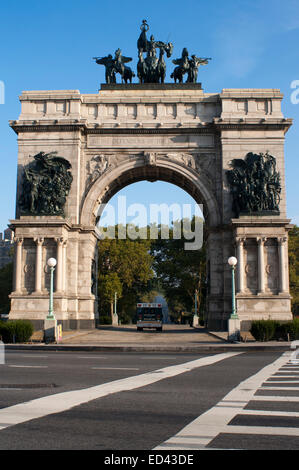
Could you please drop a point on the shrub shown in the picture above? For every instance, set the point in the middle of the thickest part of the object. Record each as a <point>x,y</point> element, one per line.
<point>294,329</point>
<point>105,320</point>
<point>263,330</point>
<point>125,319</point>
<point>18,331</point>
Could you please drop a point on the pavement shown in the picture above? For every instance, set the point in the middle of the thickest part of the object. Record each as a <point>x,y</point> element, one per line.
<point>173,338</point>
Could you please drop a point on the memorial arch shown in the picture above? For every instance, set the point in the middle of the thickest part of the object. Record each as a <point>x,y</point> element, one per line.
<point>135,132</point>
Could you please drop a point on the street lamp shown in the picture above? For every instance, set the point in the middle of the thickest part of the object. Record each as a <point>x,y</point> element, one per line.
<point>232,261</point>
<point>51,263</point>
<point>115,303</point>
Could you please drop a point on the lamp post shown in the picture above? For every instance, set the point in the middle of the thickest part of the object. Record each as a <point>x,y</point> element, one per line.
<point>234,321</point>
<point>115,303</point>
<point>232,261</point>
<point>115,316</point>
<point>195,316</point>
<point>51,263</point>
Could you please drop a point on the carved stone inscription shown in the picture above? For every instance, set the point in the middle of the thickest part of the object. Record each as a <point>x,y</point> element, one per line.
<point>149,141</point>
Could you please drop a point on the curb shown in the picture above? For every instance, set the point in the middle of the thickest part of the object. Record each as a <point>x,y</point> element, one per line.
<point>153,348</point>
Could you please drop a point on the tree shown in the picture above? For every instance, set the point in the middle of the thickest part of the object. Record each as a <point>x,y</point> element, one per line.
<point>182,273</point>
<point>110,285</point>
<point>6,275</point>
<point>125,267</point>
<point>294,268</point>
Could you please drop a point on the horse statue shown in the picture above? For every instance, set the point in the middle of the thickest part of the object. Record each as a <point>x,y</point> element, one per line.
<point>189,66</point>
<point>116,65</point>
<point>110,69</point>
<point>125,72</point>
<point>182,67</point>
<point>161,67</point>
<point>151,69</point>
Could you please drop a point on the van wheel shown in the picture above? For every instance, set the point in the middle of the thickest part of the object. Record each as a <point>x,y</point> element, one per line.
<point>139,328</point>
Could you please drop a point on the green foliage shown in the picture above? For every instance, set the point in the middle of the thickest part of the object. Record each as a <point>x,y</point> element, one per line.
<point>18,331</point>
<point>141,269</point>
<point>267,330</point>
<point>180,272</point>
<point>105,320</point>
<point>263,330</point>
<point>125,319</point>
<point>6,275</point>
<point>294,268</point>
<point>125,267</point>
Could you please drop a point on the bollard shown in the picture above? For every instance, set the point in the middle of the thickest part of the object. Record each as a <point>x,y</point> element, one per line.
<point>294,345</point>
<point>2,353</point>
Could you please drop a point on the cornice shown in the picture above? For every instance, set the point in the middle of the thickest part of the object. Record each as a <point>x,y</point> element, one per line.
<point>202,128</point>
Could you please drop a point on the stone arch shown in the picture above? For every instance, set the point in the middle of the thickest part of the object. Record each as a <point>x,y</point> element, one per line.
<point>135,169</point>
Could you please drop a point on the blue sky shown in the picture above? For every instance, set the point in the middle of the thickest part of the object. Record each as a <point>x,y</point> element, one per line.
<point>49,45</point>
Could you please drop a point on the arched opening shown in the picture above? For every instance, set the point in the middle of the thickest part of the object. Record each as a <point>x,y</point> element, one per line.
<point>109,188</point>
<point>133,170</point>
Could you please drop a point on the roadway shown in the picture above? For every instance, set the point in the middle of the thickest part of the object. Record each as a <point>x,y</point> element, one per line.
<point>143,401</point>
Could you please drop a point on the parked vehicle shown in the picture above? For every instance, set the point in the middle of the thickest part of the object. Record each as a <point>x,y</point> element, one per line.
<point>149,315</point>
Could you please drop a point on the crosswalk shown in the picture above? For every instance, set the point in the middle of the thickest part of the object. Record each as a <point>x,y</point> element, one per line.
<point>262,412</point>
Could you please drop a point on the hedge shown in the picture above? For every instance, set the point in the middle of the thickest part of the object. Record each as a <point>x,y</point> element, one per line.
<point>105,320</point>
<point>267,330</point>
<point>16,331</point>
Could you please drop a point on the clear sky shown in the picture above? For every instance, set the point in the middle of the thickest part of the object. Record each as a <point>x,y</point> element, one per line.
<point>48,45</point>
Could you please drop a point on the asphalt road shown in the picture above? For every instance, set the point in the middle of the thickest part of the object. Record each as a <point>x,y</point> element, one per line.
<point>132,401</point>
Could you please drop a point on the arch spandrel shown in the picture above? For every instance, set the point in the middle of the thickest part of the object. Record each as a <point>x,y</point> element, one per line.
<point>136,169</point>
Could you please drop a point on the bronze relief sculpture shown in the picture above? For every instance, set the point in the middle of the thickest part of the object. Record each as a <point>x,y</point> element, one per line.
<point>255,185</point>
<point>46,185</point>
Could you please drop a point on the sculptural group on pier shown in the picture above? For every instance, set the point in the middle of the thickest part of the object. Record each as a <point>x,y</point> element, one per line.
<point>151,66</point>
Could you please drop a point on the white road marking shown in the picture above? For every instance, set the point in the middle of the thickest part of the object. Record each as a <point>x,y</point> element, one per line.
<point>115,368</point>
<point>92,357</point>
<point>282,381</point>
<point>59,402</point>
<point>269,413</point>
<point>279,388</point>
<point>28,367</point>
<point>10,388</point>
<point>32,356</point>
<point>268,430</point>
<point>157,357</point>
<point>275,398</point>
<point>284,377</point>
<point>200,432</point>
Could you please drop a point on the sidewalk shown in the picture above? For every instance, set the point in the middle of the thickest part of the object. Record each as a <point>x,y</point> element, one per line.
<point>180,338</point>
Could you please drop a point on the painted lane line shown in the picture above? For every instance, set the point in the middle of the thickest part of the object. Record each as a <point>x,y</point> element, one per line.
<point>268,430</point>
<point>279,388</point>
<point>29,367</point>
<point>200,432</point>
<point>269,413</point>
<point>32,356</point>
<point>10,388</point>
<point>269,381</point>
<point>275,398</point>
<point>284,377</point>
<point>158,357</point>
<point>92,357</point>
<point>59,402</point>
<point>115,368</point>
